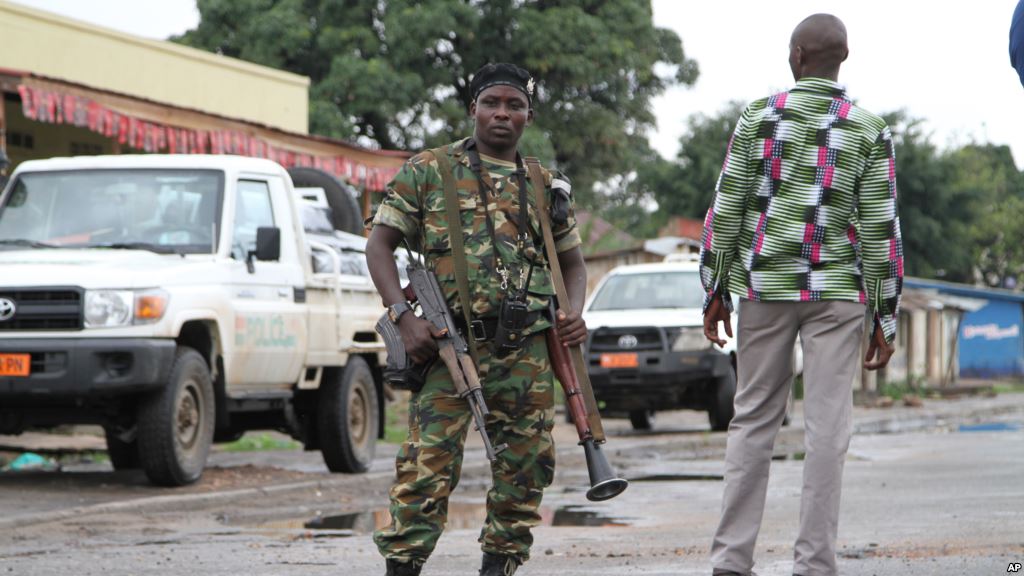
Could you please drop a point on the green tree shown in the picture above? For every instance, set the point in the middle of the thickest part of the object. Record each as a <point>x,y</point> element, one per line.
<point>683,186</point>
<point>934,232</point>
<point>396,72</point>
<point>990,195</point>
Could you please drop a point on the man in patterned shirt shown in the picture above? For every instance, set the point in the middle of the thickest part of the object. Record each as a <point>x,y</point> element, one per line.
<point>505,259</point>
<point>804,230</point>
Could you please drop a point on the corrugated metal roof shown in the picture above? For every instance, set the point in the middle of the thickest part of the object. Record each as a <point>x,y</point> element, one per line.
<point>964,289</point>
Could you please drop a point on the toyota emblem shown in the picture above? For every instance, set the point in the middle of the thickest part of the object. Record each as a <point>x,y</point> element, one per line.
<point>628,341</point>
<point>7,309</point>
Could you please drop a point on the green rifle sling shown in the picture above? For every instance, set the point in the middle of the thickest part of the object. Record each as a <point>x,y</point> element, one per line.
<point>451,204</point>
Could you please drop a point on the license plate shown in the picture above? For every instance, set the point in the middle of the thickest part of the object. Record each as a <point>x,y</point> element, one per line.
<point>15,364</point>
<point>619,360</point>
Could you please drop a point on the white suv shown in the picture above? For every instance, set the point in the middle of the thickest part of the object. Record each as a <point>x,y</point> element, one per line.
<point>647,352</point>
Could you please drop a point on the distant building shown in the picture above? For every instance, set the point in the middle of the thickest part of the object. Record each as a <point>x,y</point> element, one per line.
<point>681,227</point>
<point>989,340</point>
<point>71,88</point>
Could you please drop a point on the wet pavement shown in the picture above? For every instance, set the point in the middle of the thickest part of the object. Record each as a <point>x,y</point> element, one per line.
<point>942,496</point>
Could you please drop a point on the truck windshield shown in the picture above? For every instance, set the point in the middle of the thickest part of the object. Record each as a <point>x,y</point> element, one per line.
<point>650,290</point>
<point>173,211</point>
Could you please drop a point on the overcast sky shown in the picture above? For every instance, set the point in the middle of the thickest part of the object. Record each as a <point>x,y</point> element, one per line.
<point>945,62</point>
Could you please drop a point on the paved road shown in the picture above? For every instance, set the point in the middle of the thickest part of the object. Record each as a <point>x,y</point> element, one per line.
<point>936,502</point>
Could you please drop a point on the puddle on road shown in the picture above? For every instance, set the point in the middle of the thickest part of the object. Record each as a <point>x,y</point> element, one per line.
<point>579,516</point>
<point>461,516</point>
<point>991,427</point>
<point>693,477</point>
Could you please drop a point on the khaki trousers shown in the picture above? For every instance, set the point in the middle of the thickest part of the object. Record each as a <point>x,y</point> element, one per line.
<point>831,334</point>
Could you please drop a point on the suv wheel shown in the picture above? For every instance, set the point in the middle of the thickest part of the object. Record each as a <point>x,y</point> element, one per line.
<point>642,419</point>
<point>176,423</point>
<point>347,418</point>
<point>721,408</point>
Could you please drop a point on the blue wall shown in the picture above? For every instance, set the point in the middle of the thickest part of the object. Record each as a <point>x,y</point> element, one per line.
<point>991,343</point>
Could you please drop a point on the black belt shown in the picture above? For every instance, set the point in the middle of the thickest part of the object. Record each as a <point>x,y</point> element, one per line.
<point>484,328</point>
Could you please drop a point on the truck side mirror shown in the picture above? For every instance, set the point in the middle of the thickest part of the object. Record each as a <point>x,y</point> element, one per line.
<point>268,246</point>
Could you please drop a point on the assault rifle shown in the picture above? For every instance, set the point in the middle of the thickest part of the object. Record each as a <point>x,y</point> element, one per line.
<point>424,290</point>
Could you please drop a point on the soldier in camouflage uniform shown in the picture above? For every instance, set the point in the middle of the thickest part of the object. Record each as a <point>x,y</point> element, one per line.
<point>519,387</point>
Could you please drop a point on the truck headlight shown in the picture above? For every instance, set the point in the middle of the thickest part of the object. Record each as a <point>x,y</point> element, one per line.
<point>113,308</point>
<point>687,339</point>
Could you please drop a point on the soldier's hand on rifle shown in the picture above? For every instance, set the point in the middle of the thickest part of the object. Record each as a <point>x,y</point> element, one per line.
<point>571,328</point>
<point>717,313</point>
<point>419,337</point>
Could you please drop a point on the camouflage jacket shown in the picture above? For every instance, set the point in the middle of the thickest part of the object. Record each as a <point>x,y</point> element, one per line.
<point>414,204</point>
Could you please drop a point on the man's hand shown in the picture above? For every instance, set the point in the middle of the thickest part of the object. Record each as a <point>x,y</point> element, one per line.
<point>419,337</point>
<point>717,313</point>
<point>879,350</point>
<point>571,328</point>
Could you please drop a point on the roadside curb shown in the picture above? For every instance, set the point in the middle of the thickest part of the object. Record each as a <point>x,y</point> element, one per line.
<point>935,415</point>
<point>181,502</point>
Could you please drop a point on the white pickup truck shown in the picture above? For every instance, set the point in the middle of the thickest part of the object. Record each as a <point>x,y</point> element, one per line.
<point>173,300</point>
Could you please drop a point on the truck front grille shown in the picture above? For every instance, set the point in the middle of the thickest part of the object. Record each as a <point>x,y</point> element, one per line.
<point>43,309</point>
<point>643,338</point>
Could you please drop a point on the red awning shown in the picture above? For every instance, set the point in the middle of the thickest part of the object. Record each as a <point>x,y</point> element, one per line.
<point>46,101</point>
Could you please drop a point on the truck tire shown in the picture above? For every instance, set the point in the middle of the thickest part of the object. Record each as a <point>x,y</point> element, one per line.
<point>347,418</point>
<point>642,419</point>
<point>345,212</point>
<point>123,455</point>
<point>721,409</point>
<point>176,424</point>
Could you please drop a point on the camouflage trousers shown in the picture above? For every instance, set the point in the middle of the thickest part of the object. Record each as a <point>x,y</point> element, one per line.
<point>519,391</point>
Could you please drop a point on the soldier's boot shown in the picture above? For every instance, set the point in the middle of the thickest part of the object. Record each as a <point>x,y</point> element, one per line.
<point>499,565</point>
<point>396,568</point>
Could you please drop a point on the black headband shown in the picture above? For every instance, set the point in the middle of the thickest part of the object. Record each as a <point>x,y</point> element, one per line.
<point>502,75</point>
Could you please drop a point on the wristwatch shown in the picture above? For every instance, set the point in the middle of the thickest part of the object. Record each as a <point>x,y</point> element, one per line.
<point>396,310</point>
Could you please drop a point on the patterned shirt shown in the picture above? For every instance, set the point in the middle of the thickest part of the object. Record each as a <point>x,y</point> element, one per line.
<point>415,205</point>
<point>805,206</point>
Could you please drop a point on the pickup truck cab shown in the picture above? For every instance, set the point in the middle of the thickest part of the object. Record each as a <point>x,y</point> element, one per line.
<point>173,300</point>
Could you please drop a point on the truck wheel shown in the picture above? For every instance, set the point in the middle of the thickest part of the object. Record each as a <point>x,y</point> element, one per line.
<point>347,418</point>
<point>176,423</point>
<point>722,409</point>
<point>346,215</point>
<point>642,419</point>
<point>123,455</point>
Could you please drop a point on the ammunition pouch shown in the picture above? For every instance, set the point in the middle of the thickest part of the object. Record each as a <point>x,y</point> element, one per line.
<point>513,318</point>
<point>490,330</point>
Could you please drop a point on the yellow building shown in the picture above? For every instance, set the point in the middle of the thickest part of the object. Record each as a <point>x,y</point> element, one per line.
<point>71,88</point>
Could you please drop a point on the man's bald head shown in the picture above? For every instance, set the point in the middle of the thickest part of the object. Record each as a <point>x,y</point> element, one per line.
<point>817,47</point>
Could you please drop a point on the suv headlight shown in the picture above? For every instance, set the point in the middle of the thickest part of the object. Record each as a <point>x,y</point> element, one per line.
<point>687,339</point>
<point>113,308</point>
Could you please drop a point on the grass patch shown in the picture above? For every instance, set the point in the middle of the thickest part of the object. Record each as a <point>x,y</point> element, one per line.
<point>1009,387</point>
<point>897,389</point>
<point>260,442</point>
<point>83,457</point>
<point>396,419</point>
<point>798,387</point>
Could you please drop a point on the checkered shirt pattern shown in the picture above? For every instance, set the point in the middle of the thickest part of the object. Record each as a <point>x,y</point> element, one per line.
<point>805,206</point>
